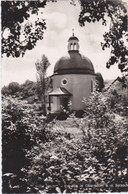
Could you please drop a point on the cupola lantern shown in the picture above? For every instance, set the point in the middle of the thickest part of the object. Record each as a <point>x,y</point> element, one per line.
<point>73,43</point>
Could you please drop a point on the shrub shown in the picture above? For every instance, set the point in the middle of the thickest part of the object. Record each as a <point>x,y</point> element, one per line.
<point>93,162</point>
<point>62,116</point>
<point>119,102</point>
<point>106,134</point>
<point>29,88</point>
<point>79,113</point>
<point>58,116</point>
<point>57,161</point>
<point>13,87</point>
<point>24,91</point>
<point>22,127</point>
<point>4,90</point>
<point>100,82</point>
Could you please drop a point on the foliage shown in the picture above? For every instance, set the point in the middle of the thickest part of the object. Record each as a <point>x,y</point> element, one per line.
<point>116,10</point>
<point>42,157</point>
<point>24,91</point>
<point>106,133</point>
<point>100,82</point>
<point>21,129</point>
<point>28,89</point>
<point>42,81</point>
<point>12,88</point>
<point>95,161</point>
<point>14,15</point>
<point>79,113</point>
<point>123,80</point>
<point>18,32</point>
<point>118,95</point>
<point>119,103</point>
<point>4,90</point>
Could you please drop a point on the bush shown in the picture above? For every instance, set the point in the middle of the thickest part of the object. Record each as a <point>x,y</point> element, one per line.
<point>106,134</point>
<point>22,127</point>
<point>4,90</point>
<point>119,103</point>
<point>100,82</point>
<point>57,116</point>
<point>29,89</point>
<point>62,116</point>
<point>93,162</point>
<point>56,161</point>
<point>13,87</point>
<point>79,113</point>
<point>24,91</point>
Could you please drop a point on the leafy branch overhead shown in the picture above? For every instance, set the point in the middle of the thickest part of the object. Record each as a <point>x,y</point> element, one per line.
<point>116,38</point>
<point>18,33</point>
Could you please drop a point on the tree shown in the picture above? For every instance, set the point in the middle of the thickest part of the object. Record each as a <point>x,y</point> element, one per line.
<point>14,13</point>
<point>18,33</point>
<point>28,89</point>
<point>4,90</point>
<point>96,10</point>
<point>100,82</point>
<point>13,87</point>
<point>42,81</point>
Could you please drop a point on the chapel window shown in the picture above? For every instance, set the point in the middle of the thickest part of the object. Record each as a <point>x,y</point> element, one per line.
<point>75,47</point>
<point>71,46</point>
<point>64,81</point>
<point>92,89</point>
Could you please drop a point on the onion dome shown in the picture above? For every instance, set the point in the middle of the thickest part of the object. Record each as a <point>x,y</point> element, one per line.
<point>73,38</point>
<point>74,62</point>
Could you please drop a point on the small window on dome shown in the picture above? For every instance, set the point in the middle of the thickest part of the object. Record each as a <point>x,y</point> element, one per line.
<point>64,81</point>
<point>71,46</point>
<point>75,46</point>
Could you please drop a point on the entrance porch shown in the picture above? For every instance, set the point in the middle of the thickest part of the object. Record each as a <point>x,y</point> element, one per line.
<point>61,99</point>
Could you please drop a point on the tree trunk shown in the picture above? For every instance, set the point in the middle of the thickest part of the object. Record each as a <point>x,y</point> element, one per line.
<point>43,103</point>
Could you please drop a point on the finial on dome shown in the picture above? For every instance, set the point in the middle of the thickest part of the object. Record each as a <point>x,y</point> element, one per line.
<point>73,32</point>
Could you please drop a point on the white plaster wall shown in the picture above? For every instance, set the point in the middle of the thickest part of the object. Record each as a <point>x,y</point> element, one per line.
<point>55,105</point>
<point>79,85</point>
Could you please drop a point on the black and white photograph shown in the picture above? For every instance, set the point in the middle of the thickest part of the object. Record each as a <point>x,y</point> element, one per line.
<point>64,96</point>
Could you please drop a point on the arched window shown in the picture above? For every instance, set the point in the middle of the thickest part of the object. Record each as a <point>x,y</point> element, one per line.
<point>75,47</point>
<point>92,86</point>
<point>71,46</point>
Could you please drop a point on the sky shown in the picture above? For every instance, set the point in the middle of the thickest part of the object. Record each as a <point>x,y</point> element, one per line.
<point>61,17</point>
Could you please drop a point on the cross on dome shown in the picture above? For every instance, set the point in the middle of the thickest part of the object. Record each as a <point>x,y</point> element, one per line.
<point>73,32</point>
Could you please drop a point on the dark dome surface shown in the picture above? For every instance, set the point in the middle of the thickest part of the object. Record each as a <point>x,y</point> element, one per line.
<point>75,63</point>
<point>73,38</point>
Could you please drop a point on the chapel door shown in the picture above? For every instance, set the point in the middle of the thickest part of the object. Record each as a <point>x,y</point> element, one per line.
<point>64,102</point>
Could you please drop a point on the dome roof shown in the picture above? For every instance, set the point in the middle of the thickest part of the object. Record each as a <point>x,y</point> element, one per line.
<point>73,38</point>
<point>75,63</point>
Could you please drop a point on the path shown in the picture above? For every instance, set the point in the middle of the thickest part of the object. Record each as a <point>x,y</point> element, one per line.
<point>69,126</point>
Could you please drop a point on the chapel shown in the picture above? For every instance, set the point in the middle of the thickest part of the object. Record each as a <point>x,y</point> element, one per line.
<point>73,79</point>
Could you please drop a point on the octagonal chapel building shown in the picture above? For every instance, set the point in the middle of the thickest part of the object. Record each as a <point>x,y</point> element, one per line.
<point>72,79</point>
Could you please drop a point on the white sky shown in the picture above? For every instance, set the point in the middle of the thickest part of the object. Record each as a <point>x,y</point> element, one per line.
<point>61,18</point>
